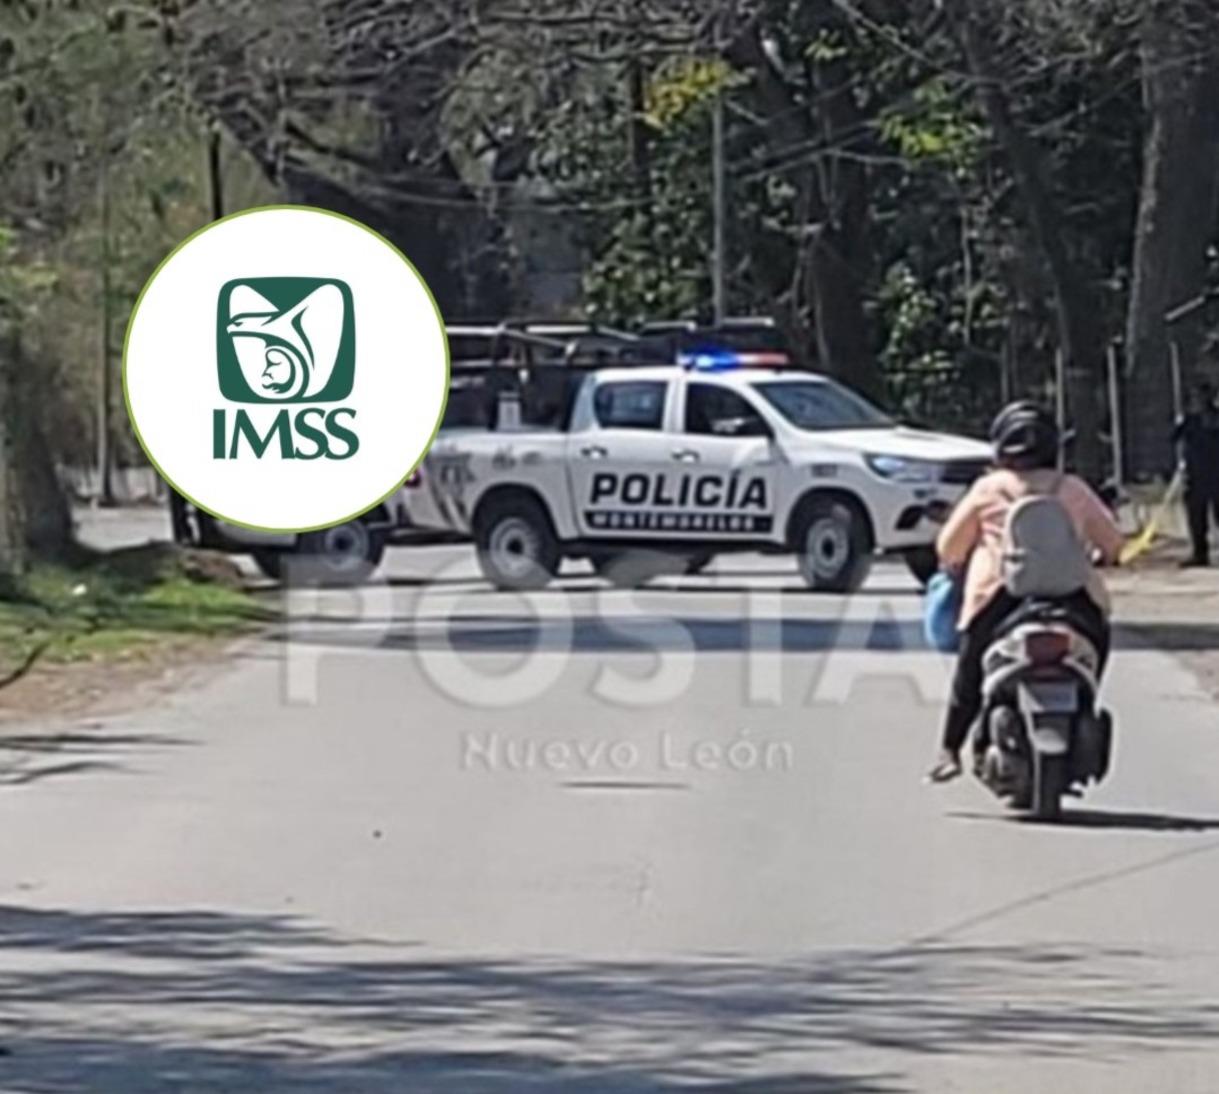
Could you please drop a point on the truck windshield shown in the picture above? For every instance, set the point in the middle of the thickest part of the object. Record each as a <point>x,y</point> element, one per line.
<point>821,404</point>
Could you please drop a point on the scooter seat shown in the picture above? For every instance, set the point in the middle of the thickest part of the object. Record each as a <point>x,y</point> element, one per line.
<point>1050,610</point>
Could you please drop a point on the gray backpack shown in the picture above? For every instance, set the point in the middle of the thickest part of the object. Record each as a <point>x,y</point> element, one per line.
<point>1042,552</point>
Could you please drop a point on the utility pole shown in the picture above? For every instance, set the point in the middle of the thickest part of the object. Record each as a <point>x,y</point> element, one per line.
<point>1115,415</point>
<point>215,172</point>
<point>1060,403</point>
<point>718,256</point>
<point>105,456</point>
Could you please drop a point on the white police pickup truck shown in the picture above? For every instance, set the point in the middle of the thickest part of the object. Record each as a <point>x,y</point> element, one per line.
<point>661,468</point>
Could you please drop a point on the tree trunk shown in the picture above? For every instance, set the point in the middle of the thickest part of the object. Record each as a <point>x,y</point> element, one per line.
<point>12,552</point>
<point>1176,217</point>
<point>37,493</point>
<point>840,256</point>
<point>1077,313</point>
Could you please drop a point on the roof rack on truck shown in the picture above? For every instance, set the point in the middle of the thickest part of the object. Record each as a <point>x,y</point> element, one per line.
<point>526,371</point>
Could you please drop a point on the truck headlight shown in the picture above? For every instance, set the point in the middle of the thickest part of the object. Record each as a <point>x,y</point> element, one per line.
<point>901,469</point>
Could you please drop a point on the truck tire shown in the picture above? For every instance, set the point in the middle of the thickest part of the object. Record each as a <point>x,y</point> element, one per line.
<point>270,561</point>
<point>832,545</point>
<point>516,545</point>
<point>923,563</point>
<point>338,557</point>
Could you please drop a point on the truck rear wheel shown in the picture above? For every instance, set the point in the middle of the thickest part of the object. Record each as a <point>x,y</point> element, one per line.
<point>342,556</point>
<point>270,561</point>
<point>517,548</point>
<point>832,545</point>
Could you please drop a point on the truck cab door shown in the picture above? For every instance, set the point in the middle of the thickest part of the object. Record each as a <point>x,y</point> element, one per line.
<point>727,444</point>
<point>619,450</point>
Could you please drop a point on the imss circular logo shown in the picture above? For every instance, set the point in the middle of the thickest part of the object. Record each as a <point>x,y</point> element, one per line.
<point>285,368</point>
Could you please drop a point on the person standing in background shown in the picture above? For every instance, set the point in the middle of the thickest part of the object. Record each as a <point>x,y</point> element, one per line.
<point>1197,432</point>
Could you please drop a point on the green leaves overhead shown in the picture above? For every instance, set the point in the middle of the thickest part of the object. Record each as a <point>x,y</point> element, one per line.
<point>936,125</point>
<point>683,84</point>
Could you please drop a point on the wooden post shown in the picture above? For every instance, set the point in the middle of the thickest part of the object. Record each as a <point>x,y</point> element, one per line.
<point>1178,387</point>
<point>215,172</point>
<point>719,303</point>
<point>1060,403</point>
<point>1115,418</point>
<point>105,455</point>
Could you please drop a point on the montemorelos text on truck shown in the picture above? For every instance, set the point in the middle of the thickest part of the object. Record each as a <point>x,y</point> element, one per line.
<point>662,468</point>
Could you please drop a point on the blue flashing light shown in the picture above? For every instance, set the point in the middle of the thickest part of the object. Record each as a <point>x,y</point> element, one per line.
<point>710,360</point>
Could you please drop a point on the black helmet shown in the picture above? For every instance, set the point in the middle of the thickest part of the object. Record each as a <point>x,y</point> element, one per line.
<point>1020,406</point>
<point>1025,436</point>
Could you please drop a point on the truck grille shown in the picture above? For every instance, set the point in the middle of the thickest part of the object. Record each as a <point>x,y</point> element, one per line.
<point>963,472</point>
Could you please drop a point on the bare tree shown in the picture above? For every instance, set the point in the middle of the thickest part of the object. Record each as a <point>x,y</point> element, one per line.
<point>1081,335</point>
<point>1177,211</point>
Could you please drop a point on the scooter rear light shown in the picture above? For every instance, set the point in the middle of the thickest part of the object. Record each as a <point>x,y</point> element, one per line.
<point>1046,647</point>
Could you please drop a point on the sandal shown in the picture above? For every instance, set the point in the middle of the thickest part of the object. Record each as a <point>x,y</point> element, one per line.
<point>945,770</point>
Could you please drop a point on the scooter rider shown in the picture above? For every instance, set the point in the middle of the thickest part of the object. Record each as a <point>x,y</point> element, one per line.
<point>1026,443</point>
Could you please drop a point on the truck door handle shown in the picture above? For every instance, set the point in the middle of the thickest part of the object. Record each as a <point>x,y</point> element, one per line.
<point>687,455</point>
<point>594,452</point>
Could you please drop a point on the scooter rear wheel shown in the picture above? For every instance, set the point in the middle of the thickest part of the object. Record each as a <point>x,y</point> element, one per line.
<point>1050,780</point>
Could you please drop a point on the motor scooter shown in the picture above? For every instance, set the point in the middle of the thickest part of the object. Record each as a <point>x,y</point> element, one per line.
<point>1041,734</point>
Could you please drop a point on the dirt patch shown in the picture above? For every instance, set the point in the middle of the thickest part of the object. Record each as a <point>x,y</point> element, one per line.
<point>57,692</point>
<point>103,628</point>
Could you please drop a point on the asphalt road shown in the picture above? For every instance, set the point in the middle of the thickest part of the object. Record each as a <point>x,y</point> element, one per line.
<point>433,838</point>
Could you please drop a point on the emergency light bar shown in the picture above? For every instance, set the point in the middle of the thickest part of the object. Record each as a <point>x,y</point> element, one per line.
<point>724,360</point>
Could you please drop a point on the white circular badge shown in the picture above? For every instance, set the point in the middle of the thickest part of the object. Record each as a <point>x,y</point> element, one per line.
<point>286,368</point>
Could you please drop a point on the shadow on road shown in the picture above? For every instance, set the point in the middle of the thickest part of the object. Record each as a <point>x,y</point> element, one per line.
<point>736,584</point>
<point>1136,822</point>
<point>1104,819</point>
<point>615,634</point>
<point>610,633</point>
<point>27,758</point>
<point>1170,637</point>
<point>208,1002</point>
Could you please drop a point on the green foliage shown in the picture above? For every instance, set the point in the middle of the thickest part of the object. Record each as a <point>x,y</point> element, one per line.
<point>24,285</point>
<point>935,127</point>
<point>827,45</point>
<point>684,84</point>
<point>913,317</point>
<point>117,607</point>
<point>575,135</point>
<point>651,259</point>
<point>101,173</point>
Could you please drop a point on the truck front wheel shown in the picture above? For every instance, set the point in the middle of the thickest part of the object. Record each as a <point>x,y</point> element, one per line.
<point>517,548</point>
<point>832,545</point>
